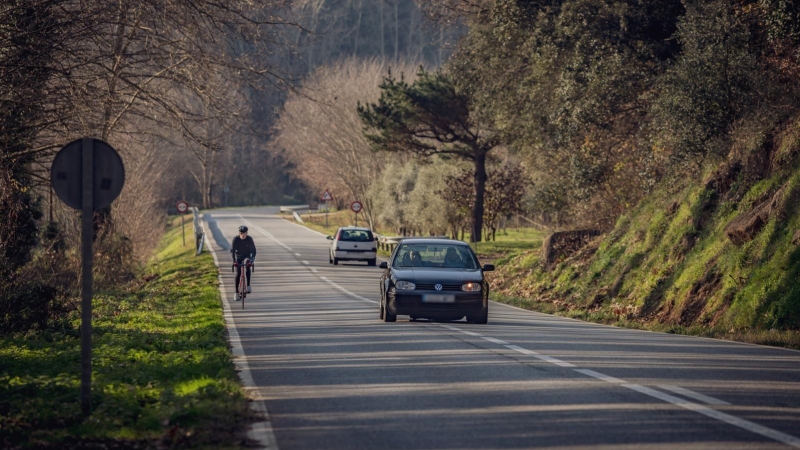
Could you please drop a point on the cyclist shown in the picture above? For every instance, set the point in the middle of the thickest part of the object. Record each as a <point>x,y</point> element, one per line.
<point>242,247</point>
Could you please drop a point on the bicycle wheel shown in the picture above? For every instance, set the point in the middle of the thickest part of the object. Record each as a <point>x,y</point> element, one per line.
<point>243,287</point>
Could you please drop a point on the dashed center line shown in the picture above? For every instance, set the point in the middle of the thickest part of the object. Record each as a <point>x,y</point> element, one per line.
<point>695,395</point>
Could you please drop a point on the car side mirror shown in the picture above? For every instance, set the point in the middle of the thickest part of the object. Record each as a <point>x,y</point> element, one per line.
<point>384,265</point>
<point>330,238</point>
<point>488,267</point>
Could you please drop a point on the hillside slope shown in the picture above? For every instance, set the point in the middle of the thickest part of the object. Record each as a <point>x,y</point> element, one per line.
<point>717,257</point>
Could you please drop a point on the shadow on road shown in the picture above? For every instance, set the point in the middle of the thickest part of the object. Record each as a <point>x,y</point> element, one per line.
<point>219,238</point>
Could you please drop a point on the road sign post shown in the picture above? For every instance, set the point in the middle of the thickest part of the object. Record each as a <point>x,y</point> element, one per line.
<point>87,174</point>
<point>356,207</point>
<point>326,197</point>
<point>182,207</point>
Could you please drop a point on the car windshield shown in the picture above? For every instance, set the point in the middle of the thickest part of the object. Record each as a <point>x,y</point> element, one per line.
<point>355,235</point>
<point>435,255</point>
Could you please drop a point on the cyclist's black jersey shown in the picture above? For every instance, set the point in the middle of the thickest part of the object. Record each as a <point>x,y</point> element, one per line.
<point>243,248</point>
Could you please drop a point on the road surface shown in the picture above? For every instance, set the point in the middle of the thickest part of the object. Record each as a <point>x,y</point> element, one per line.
<point>333,376</point>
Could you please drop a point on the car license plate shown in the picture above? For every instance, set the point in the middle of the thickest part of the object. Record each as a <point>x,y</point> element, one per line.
<point>356,253</point>
<point>438,298</point>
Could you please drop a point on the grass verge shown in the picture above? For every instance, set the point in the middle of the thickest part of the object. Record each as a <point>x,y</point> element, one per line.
<point>162,371</point>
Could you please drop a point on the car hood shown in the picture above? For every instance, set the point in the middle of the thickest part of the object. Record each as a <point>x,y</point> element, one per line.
<point>438,275</point>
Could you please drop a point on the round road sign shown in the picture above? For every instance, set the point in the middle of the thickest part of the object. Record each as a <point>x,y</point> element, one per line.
<point>182,206</point>
<point>356,206</point>
<point>66,174</point>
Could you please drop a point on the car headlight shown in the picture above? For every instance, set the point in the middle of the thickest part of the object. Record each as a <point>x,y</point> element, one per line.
<point>405,286</point>
<point>471,287</point>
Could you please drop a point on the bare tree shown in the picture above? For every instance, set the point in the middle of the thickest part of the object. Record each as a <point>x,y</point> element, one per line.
<point>322,134</point>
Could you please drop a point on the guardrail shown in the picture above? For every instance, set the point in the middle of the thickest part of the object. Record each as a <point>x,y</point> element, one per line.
<point>388,242</point>
<point>199,234</point>
<point>295,208</point>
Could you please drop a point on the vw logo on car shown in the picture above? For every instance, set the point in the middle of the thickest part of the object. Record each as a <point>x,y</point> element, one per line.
<point>438,287</point>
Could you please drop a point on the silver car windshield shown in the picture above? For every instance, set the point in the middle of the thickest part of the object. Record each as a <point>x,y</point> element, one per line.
<point>435,255</point>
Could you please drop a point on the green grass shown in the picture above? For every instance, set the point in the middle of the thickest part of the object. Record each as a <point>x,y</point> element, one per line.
<point>162,371</point>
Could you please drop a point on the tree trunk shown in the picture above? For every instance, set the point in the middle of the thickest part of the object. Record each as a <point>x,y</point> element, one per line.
<point>480,191</point>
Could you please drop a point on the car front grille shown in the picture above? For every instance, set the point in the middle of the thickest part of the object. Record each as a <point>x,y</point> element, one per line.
<point>432,287</point>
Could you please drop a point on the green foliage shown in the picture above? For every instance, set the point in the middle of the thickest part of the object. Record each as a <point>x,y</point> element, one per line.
<point>162,372</point>
<point>430,116</point>
<point>713,82</point>
<point>668,265</point>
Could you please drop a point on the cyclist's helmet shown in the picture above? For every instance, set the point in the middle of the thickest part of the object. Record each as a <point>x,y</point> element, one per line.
<point>242,229</point>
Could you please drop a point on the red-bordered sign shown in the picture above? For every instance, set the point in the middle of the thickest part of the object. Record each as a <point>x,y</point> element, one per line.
<point>356,206</point>
<point>182,206</point>
<point>326,196</point>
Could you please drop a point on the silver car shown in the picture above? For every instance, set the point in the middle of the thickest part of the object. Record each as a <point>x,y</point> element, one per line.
<point>353,244</point>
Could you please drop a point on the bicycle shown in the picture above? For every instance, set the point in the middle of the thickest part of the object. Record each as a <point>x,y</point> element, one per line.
<point>243,278</point>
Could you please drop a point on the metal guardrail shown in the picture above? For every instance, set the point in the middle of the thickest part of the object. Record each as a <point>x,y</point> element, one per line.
<point>199,234</point>
<point>295,208</point>
<point>388,242</point>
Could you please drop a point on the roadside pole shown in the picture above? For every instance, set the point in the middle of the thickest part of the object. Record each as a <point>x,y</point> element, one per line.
<point>87,174</point>
<point>87,210</point>
<point>182,208</point>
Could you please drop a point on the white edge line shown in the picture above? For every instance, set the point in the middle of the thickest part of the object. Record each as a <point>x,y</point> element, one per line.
<point>260,432</point>
<point>496,341</point>
<point>721,416</point>
<point>301,226</point>
<point>306,262</point>
<point>695,395</point>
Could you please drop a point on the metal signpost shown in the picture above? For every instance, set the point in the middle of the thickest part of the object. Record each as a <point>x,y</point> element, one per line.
<point>182,208</point>
<point>356,207</point>
<point>326,197</point>
<point>87,174</point>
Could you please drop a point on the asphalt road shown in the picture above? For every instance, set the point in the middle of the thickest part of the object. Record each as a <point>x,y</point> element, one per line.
<point>333,376</point>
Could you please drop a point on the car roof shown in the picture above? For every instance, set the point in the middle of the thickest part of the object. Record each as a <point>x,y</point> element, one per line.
<point>424,240</point>
<point>354,228</point>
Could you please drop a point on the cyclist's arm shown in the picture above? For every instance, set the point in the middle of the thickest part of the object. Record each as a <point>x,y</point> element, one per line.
<point>252,249</point>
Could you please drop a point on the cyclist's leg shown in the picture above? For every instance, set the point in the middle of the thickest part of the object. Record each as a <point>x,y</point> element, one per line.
<point>237,278</point>
<point>248,279</point>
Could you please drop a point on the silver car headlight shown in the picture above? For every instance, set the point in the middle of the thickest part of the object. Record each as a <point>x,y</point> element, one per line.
<point>405,286</point>
<point>471,287</point>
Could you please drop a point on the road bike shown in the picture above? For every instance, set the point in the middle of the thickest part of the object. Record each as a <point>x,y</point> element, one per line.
<point>243,278</point>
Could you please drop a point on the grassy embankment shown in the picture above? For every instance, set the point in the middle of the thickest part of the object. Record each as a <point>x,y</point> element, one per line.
<point>508,242</point>
<point>163,375</point>
<point>668,265</point>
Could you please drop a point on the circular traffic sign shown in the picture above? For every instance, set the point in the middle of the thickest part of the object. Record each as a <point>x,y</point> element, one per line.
<point>356,206</point>
<point>108,173</point>
<point>182,206</point>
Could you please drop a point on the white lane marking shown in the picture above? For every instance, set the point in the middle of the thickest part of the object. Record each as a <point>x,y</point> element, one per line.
<point>524,351</point>
<point>721,416</point>
<point>695,395</point>
<point>462,331</point>
<point>304,227</point>
<point>297,254</point>
<point>306,263</point>
<point>348,292</point>
<point>260,432</point>
<point>600,376</point>
<point>266,233</point>
<point>496,341</point>
<point>314,270</point>
<point>549,359</point>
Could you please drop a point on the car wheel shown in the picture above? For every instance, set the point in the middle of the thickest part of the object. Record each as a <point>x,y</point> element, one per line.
<point>371,262</point>
<point>481,318</point>
<point>335,261</point>
<point>387,316</point>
